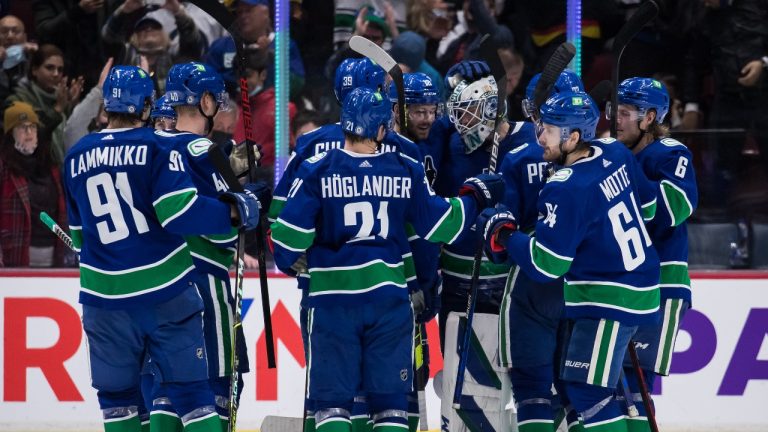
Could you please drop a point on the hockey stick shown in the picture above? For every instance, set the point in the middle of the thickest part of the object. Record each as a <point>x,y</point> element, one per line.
<point>60,233</point>
<point>489,51</point>
<point>631,408</point>
<point>421,381</point>
<point>644,14</point>
<point>552,70</point>
<point>649,413</point>
<point>377,54</point>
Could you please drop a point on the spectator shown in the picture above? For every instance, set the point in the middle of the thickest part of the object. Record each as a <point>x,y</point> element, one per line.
<point>432,19</point>
<point>89,114</point>
<point>50,94</point>
<point>305,121</point>
<point>73,26</point>
<point>262,98</point>
<point>30,183</point>
<point>148,39</point>
<point>14,52</point>
<point>409,50</point>
<point>348,14</point>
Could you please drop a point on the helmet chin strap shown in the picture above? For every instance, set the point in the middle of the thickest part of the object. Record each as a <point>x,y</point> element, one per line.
<point>208,118</point>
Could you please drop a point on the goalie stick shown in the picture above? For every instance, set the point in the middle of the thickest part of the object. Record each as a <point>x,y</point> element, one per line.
<point>60,233</point>
<point>377,55</point>
<point>644,14</point>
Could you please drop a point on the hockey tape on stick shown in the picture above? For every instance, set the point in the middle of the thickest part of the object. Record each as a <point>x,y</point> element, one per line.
<point>649,412</point>
<point>551,72</point>
<point>377,55</point>
<point>60,233</point>
<point>644,14</point>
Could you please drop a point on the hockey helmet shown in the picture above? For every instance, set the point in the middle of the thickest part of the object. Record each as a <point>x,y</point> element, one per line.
<point>161,108</point>
<point>571,111</point>
<point>418,89</point>
<point>472,109</point>
<point>364,110</point>
<point>567,81</point>
<point>357,72</point>
<point>645,94</point>
<point>188,82</point>
<point>127,89</point>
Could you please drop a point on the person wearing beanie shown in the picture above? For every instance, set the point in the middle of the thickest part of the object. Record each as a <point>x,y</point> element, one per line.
<point>409,49</point>
<point>30,183</point>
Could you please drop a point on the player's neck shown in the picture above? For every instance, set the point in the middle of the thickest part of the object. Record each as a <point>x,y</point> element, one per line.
<point>368,146</point>
<point>191,124</point>
<point>643,143</point>
<point>124,124</point>
<point>576,155</point>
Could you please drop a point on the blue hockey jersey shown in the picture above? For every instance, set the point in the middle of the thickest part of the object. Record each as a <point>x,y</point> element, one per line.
<point>668,164</point>
<point>130,199</point>
<point>455,167</point>
<point>593,233</point>
<point>212,254</point>
<point>348,211</point>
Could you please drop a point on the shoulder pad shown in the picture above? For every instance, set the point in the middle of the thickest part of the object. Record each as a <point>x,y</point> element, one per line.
<point>316,157</point>
<point>561,175</point>
<point>671,142</point>
<point>606,140</point>
<point>198,146</point>
<point>518,148</point>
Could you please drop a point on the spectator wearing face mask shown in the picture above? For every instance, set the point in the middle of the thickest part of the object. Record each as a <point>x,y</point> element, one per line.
<point>30,182</point>
<point>14,53</point>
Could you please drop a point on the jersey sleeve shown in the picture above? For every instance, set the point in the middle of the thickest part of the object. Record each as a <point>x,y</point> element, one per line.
<point>677,187</point>
<point>178,206</point>
<point>647,195</point>
<point>282,187</point>
<point>434,218</point>
<point>549,254</point>
<point>73,217</point>
<point>293,232</point>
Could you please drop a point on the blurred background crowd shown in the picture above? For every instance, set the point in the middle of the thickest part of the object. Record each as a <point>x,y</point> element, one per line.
<point>54,55</point>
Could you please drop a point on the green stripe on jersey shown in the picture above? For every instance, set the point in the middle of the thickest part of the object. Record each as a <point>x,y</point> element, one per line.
<point>548,262</point>
<point>172,205</point>
<point>649,210</point>
<point>203,249</point>
<point>449,226</point>
<point>674,275</point>
<point>291,236</point>
<point>278,203</point>
<point>77,237</point>
<point>612,296</point>
<point>409,266</point>
<point>355,279</point>
<point>229,237</point>
<point>139,280</point>
<point>678,205</point>
<point>461,265</point>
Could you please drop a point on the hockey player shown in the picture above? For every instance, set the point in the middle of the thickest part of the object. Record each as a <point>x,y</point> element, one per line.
<point>472,109</point>
<point>643,103</point>
<point>163,116</point>
<point>362,199</point>
<point>592,233</point>
<point>130,199</point>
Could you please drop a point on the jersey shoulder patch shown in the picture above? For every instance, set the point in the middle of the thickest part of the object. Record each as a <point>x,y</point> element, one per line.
<point>198,146</point>
<point>316,157</point>
<point>518,149</point>
<point>561,175</point>
<point>671,142</point>
<point>607,140</point>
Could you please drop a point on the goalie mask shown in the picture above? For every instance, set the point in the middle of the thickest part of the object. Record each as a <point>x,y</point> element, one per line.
<point>472,110</point>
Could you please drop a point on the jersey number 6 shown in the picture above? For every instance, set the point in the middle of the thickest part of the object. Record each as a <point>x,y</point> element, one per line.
<point>630,243</point>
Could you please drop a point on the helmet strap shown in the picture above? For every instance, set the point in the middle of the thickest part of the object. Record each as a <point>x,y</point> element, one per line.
<point>208,118</point>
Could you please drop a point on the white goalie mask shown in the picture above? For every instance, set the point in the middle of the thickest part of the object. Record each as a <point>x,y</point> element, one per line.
<point>472,109</point>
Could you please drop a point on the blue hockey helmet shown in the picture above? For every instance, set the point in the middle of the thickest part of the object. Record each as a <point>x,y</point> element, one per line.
<point>645,94</point>
<point>571,111</point>
<point>418,88</point>
<point>161,108</point>
<point>567,81</point>
<point>127,89</point>
<point>364,110</point>
<point>357,72</point>
<point>188,82</point>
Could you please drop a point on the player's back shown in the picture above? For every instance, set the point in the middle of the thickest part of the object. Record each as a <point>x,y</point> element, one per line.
<point>524,171</point>
<point>122,191</point>
<point>593,219</point>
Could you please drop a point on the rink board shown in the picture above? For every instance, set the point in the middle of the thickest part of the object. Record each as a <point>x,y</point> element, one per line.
<point>719,380</point>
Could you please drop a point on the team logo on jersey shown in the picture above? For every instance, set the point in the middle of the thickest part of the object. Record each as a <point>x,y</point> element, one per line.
<point>198,146</point>
<point>607,140</point>
<point>404,374</point>
<point>561,175</point>
<point>671,142</point>
<point>317,157</point>
<point>551,218</point>
<point>365,164</point>
<point>518,149</point>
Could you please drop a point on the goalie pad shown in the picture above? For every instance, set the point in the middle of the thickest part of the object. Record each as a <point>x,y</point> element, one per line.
<point>487,389</point>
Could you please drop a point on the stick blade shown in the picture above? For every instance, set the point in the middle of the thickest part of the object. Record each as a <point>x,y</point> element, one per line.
<point>282,424</point>
<point>601,93</point>
<point>374,52</point>
<point>555,65</point>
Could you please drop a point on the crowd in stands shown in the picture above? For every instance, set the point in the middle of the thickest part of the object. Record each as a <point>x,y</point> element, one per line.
<point>711,54</point>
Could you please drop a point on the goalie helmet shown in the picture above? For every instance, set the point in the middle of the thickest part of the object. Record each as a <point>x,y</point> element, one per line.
<point>127,89</point>
<point>357,72</point>
<point>188,82</point>
<point>472,110</point>
<point>567,81</point>
<point>645,94</point>
<point>364,110</point>
<point>571,111</point>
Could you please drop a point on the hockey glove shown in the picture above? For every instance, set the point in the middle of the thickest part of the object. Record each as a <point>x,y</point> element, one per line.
<point>487,189</point>
<point>238,159</point>
<point>467,70</point>
<point>431,302</point>
<point>246,205</point>
<point>496,225</point>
